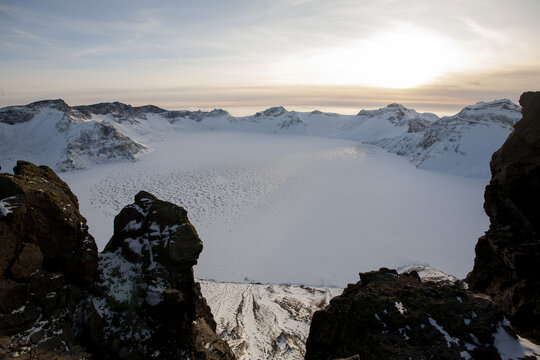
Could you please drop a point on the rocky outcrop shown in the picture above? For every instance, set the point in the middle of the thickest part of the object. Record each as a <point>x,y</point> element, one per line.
<point>391,316</point>
<point>95,142</point>
<point>508,255</point>
<point>47,261</point>
<point>147,303</point>
<point>59,298</point>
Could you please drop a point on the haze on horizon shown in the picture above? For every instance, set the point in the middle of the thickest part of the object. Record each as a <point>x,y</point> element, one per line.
<point>240,55</point>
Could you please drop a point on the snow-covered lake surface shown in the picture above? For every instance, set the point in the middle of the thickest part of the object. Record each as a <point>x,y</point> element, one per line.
<point>295,209</point>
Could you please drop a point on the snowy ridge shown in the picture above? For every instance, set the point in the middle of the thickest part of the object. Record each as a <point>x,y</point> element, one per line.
<point>462,143</point>
<point>53,133</point>
<point>265,321</point>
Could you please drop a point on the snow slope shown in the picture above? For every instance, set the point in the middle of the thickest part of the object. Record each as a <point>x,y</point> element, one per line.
<point>461,144</point>
<point>51,133</point>
<point>265,321</point>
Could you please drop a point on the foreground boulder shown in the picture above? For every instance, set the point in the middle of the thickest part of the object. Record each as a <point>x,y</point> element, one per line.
<point>507,259</point>
<point>60,299</point>
<point>47,261</point>
<point>147,303</point>
<point>391,316</point>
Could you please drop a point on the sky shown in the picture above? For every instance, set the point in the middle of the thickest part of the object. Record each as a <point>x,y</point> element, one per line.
<point>247,55</point>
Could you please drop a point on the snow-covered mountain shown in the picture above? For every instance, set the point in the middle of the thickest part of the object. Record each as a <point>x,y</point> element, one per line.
<point>53,133</point>
<point>462,143</point>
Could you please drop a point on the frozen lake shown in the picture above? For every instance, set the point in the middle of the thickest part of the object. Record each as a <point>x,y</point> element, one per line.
<point>295,209</point>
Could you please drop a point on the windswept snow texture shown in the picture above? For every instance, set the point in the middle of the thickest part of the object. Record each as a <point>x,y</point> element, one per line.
<point>306,210</point>
<point>265,321</point>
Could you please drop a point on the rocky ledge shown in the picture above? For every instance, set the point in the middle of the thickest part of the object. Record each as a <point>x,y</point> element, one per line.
<point>507,259</point>
<point>59,298</point>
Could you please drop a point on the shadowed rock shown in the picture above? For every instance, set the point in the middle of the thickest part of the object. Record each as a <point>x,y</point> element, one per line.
<point>391,316</point>
<point>147,302</point>
<point>59,299</point>
<point>47,258</point>
<point>508,255</point>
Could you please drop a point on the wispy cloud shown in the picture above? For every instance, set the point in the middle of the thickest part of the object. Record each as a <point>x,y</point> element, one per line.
<point>100,45</point>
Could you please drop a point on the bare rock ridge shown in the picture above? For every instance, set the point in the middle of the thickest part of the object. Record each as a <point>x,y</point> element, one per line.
<point>391,316</point>
<point>508,255</point>
<point>59,298</point>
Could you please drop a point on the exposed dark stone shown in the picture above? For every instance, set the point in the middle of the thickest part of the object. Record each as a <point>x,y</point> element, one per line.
<point>59,299</point>
<point>508,255</point>
<point>146,283</point>
<point>47,258</point>
<point>391,316</point>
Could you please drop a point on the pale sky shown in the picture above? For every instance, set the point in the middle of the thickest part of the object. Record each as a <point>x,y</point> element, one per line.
<point>247,55</point>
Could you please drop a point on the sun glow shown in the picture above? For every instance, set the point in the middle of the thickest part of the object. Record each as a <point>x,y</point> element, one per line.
<point>405,57</point>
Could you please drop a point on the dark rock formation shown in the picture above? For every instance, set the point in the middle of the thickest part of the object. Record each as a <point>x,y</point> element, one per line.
<point>391,316</point>
<point>507,259</point>
<point>148,302</point>
<point>60,299</point>
<point>47,259</point>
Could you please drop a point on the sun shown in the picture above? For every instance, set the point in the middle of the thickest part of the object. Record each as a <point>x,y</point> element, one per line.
<point>403,57</point>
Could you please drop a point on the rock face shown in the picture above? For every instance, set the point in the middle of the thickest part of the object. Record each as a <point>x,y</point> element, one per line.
<point>47,260</point>
<point>148,304</point>
<point>508,255</point>
<point>391,316</point>
<point>59,298</point>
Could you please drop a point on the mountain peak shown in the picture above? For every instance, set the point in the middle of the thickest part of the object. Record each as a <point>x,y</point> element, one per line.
<point>495,104</point>
<point>57,104</point>
<point>273,111</point>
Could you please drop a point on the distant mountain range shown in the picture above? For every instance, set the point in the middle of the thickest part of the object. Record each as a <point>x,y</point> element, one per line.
<point>67,137</point>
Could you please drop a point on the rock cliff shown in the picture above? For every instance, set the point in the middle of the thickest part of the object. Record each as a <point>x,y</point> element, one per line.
<point>508,255</point>
<point>47,261</point>
<point>391,316</point>
<point>59,298</point>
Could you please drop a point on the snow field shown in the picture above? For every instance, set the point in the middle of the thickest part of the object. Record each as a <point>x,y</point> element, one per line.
<point>304,210</point>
